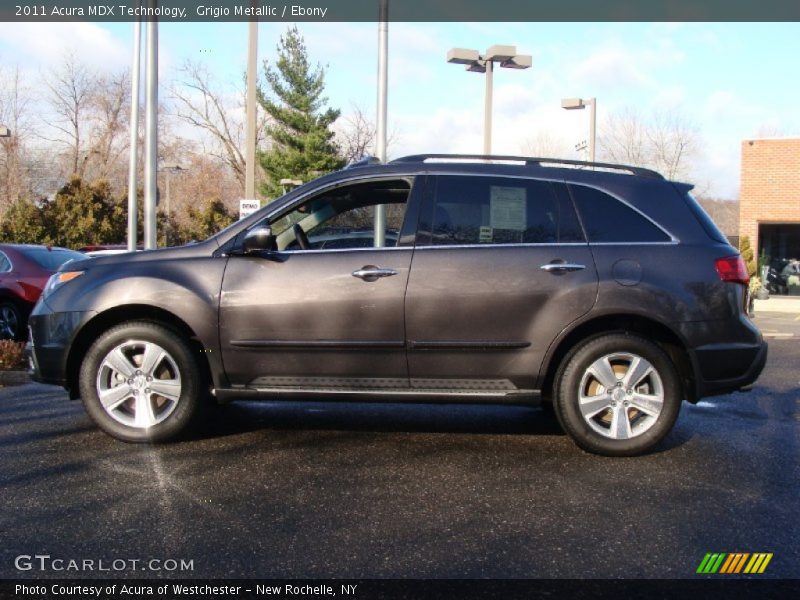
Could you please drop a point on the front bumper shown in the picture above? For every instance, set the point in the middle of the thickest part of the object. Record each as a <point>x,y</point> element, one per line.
<point>50,337</point>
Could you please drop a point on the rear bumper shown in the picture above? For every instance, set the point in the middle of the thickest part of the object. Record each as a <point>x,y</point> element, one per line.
<point>726,368</point>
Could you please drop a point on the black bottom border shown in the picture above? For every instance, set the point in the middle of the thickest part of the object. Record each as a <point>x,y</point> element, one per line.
<point>388,589</point>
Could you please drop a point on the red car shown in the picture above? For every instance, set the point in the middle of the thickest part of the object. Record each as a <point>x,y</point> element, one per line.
<point>24,271</point>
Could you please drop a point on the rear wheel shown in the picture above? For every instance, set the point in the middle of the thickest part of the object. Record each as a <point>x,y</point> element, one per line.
<point>618,395</point>
<point>140,382</point>
<point>12,321</point>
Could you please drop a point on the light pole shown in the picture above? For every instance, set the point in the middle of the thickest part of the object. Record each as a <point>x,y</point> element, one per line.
<point>379,223</point>
<point>250,150</point>
<point>150,133</point>
<point>134,137</point>
<point>169,170</point>
<point>484,63</point>
<point>580,104</point>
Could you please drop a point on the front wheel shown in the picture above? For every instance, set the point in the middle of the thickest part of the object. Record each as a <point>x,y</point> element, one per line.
<point>140,382</point>
<point>618,395</point>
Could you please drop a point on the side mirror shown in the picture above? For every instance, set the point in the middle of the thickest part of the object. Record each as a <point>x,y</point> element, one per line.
<point>258,240</point>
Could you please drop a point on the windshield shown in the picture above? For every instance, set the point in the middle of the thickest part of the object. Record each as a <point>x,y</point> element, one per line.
<point>52,259</point>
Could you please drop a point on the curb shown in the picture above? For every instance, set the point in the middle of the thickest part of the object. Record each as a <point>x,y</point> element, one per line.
<point>14,377</point>
<point>778,304</point>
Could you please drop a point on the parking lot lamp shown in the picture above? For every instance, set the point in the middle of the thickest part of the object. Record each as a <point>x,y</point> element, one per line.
<point>484,63</point>
<point>580,104</point>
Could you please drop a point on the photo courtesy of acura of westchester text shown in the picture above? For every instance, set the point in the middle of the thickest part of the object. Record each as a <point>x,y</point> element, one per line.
<point>378,299</point>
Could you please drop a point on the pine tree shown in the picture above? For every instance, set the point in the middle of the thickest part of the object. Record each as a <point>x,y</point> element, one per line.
<point>23,223</point>
<point>303,145</point>
<point>82,214</point>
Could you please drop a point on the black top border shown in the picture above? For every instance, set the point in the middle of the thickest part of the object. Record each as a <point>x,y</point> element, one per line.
<point>400,10</point>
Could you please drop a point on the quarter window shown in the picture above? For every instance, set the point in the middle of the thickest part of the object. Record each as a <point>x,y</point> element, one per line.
<point>5,264</point>
<point>500,210</point>
<point>606,219</point>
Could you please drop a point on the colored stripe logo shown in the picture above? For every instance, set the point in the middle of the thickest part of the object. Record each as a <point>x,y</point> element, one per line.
<point>725,563</point>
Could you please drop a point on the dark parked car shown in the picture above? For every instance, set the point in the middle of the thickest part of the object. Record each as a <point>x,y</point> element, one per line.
<point>603,289</point>
<point>24,271</point>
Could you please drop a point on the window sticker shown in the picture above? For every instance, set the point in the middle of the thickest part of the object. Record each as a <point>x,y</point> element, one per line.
<point>508,208</point>
<point>485,234</point>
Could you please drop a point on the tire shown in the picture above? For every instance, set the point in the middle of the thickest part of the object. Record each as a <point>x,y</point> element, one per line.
<point>605,416</point>
<point>149,379</point>
<point>13,321</point>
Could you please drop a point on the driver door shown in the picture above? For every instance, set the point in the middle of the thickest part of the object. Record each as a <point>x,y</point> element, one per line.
<point>328,316</point>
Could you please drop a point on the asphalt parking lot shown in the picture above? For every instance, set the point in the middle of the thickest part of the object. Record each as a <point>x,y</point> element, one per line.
<point>778,325</point>
<point>343,490</point>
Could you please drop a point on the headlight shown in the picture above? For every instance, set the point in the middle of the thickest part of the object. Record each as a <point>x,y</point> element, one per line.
<point>58,279</point>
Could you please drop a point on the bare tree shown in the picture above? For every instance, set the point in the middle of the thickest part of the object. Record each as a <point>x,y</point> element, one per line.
<point>14,101</point>
<point>666,141</point>
<point>544,144</point>
<point>110,106</point>
<point>71,89</point>
<point>623,138</point>
<point>674,142</point>
<point>725,213</point>
<point>356,134</point>
<point>772,130</point>
<point>201,104</point>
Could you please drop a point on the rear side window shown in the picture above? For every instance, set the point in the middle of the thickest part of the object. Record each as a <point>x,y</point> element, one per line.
<point>51,260</point>
<point>708,224</point>
<point>606,219</point>
<point>5,264</point>
<point>499,210</point>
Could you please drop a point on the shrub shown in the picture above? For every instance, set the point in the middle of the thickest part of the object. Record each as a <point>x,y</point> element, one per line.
<point>12,355</point>
<point>747,254</point>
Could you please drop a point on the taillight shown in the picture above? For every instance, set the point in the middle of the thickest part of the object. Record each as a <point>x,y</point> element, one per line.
<point>733,269</point>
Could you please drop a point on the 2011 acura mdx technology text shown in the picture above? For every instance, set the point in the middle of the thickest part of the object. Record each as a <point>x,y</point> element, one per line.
<point>604,289</point>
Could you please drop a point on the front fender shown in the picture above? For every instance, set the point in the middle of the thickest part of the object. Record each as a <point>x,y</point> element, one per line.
<point>188,289</point>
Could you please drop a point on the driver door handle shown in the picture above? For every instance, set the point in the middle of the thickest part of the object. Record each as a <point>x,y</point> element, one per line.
<point>561,267</point>
<point>373,273</point>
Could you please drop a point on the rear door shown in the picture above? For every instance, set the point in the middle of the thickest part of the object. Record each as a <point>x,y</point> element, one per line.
<point>501,266</point>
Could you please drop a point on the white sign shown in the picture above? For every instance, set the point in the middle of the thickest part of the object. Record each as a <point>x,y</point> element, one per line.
<point>508,208</point>
<point>248,207</point>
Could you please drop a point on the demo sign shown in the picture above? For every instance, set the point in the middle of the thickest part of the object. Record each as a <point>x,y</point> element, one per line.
<point>248,207</point>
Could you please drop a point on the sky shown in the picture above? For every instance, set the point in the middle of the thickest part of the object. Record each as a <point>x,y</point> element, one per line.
<point>734,81</point>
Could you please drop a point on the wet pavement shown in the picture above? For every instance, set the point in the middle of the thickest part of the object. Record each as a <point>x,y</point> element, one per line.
<point>390,490</point>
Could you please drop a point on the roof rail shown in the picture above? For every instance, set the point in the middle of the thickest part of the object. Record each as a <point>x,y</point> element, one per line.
<point>531,161</point>
<point>363,162</point>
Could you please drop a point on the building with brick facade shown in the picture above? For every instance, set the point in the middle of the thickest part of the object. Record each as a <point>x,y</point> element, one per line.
<point>769,201</point>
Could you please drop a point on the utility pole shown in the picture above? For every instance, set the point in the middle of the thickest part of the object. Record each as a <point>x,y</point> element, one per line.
<point>151,136</point>
<point>250,141</point>
<point>383,86</point>
<point>134,137</point>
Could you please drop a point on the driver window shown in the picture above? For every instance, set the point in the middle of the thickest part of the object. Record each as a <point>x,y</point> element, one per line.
<point>343,217</point>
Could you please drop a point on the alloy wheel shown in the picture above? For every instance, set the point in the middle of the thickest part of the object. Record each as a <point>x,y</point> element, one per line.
<point>9,322</point>
<point>139,384</point>
<point>621,395</point>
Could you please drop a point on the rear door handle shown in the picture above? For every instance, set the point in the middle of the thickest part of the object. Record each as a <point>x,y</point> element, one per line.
<point>561,267</point>
<point>373,273</point>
